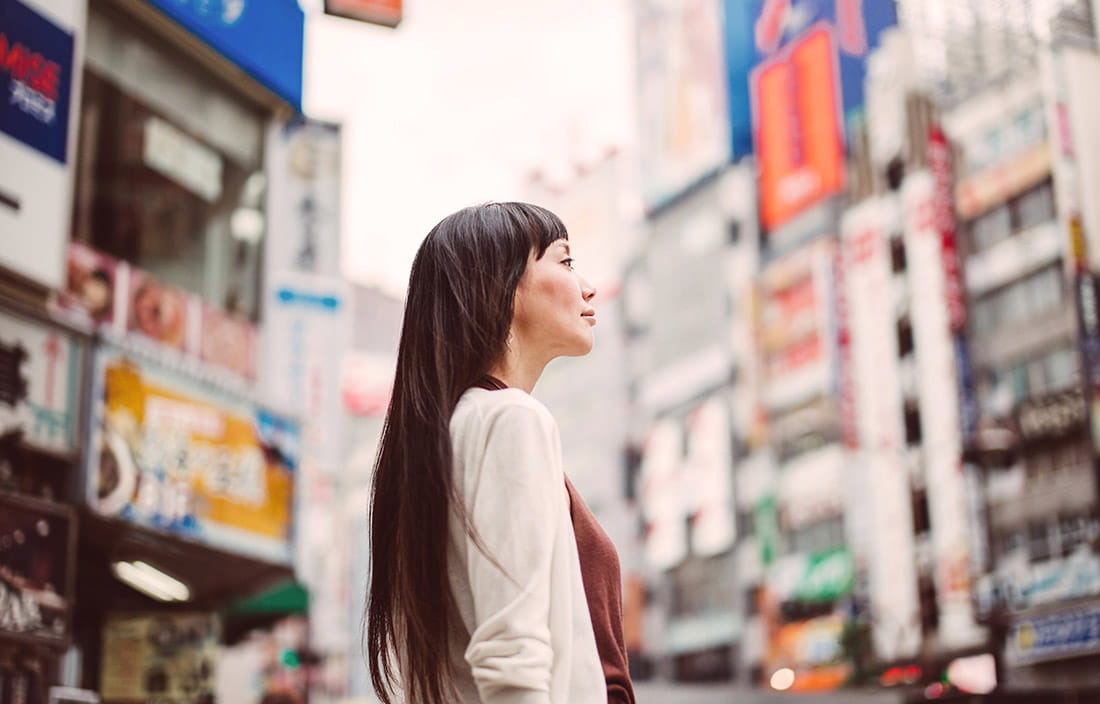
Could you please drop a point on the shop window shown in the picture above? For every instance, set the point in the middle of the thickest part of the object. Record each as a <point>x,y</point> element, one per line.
<point>173,185</point>
<point>1021,301</point>
<point>929,609</point>
<point>913,431</point>
<point>990,228</point>
<point>752,601</point>
<point>1039,541</point>
<point>746,523</point>
<point>1060,369</point>
<point>921,522</point>
<point>733,232</point>
<point>1033,207</point>
<point>1072,532</point>
<point>897,255</point>
<point>905,337</point>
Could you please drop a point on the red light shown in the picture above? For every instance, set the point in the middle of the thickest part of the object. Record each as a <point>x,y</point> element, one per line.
<point>911,674</point>
<point>891,677</point>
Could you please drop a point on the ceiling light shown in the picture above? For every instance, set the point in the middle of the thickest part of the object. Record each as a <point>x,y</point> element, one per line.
<point>149,580</point>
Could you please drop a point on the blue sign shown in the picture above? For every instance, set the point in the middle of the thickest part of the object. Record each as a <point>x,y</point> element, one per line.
<point>758,29</point>
<point>36,65</point>
<point>263,37</point>
<point>1055,635</point>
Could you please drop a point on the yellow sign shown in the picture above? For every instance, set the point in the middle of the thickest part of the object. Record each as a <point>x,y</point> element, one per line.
<point>176,457</point>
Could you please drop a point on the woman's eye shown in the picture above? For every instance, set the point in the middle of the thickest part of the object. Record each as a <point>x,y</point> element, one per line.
<point>568,261</point>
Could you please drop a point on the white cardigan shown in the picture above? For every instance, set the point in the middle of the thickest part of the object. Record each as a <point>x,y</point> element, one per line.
<point>524,638</point>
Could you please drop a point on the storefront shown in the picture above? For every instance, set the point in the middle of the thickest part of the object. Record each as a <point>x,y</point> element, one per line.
<point>145,486</point>
<point>41,366</point>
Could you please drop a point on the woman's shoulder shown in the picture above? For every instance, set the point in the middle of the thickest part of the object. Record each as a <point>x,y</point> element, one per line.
<point>479,406</point>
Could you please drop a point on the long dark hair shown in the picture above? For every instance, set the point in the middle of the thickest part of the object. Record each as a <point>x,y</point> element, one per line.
<point>457,317</point>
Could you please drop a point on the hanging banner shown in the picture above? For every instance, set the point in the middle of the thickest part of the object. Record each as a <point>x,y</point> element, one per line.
<point>172,456</point>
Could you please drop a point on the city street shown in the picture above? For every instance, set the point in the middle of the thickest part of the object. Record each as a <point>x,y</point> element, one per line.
<point>674,693</point>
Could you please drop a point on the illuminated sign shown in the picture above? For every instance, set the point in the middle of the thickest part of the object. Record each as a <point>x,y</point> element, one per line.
<point>177,457</point>
<point>797,129</point>
<point>384,12</point>
<point>757,29</point>
<point>36,58</point>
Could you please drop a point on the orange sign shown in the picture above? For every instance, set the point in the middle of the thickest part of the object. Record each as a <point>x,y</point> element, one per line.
<point>383,12</point>
<point>176,457</point>
<point>796,115</point>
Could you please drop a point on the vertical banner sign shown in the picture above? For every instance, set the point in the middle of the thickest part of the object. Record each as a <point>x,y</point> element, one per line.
<point>849,427</point>
<point>797,125</point>
<point>943,215</point>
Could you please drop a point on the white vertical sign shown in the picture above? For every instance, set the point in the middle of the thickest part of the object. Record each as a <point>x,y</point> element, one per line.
<point>883,497</point>
<point>939,413</point>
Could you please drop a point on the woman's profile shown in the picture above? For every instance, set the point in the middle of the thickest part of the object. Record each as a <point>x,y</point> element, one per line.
<point>491,581</point>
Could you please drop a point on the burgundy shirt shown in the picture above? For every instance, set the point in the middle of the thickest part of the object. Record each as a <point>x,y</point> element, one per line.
<point>603,589</point>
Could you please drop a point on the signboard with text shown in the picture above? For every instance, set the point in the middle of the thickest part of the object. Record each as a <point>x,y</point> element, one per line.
<point>39,60</point>
<point>176,457</point>
<point>39,372</point>
<point>264,38</point>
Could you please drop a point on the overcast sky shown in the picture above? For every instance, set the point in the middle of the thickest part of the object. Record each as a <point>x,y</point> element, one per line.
<point>458,105</point>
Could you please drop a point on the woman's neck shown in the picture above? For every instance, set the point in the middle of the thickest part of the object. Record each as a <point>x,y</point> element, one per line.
<point>518,372</point>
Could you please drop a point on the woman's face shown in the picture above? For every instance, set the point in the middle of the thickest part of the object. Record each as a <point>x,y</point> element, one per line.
<point>553,316</point>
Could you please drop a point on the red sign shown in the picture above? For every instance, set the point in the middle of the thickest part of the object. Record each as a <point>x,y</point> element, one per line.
<point>796,118</point>
<point>943,214</point>
<point>383,12</point>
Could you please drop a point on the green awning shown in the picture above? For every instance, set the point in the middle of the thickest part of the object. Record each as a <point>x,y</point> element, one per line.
<point>286,598</point>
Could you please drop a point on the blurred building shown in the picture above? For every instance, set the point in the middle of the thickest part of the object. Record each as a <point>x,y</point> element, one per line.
<point>159,474</point>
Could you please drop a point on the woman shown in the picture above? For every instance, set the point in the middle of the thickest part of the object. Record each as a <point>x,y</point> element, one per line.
<point>491,580</point>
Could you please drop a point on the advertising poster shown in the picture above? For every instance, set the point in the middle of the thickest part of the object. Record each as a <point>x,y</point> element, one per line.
<point>167,658</point>
<point>39,371</point>
<point>228,341</point>
<point>172,456</point>
<point>36,552</point>
<point>682,95</point>
<point>91,281</point>
<point>157,311</point>
<point>39,60</point>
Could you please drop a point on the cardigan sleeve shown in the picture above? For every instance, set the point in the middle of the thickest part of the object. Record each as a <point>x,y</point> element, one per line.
<point>514,505</point>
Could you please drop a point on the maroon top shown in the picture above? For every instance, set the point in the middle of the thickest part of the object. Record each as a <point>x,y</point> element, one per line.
<point>603,589</point>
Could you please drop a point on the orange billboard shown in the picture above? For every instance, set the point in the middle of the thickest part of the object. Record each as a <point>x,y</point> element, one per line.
<point>797,127</point>
<point>174,456</point>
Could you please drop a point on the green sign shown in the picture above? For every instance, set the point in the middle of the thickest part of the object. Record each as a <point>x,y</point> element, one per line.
<point>829,576</point>
<point>766,527</point>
